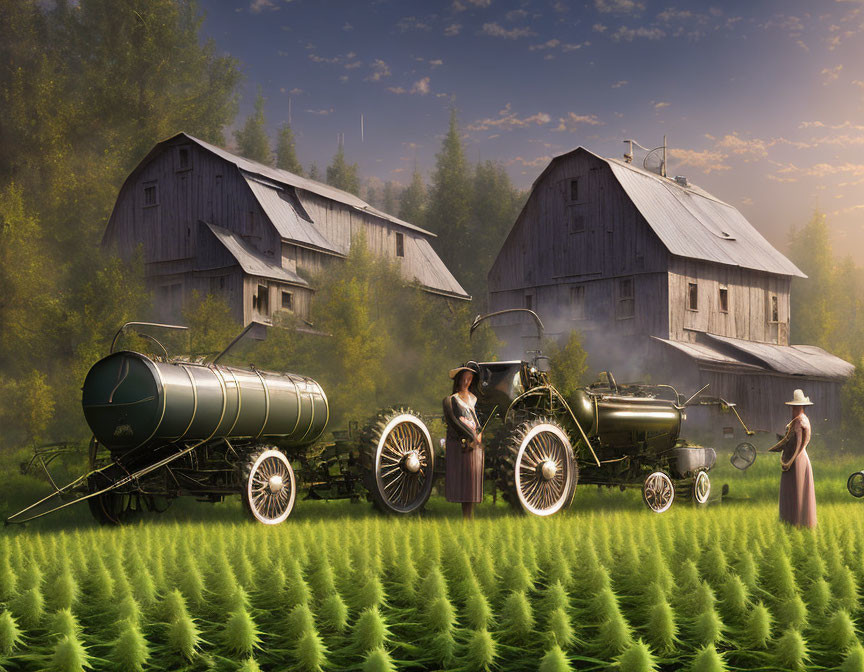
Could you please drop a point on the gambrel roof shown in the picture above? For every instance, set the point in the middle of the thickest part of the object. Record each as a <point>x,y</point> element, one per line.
<point>692,223</point>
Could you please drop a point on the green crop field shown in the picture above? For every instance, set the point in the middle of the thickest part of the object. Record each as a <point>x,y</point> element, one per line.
<point>607,585</point>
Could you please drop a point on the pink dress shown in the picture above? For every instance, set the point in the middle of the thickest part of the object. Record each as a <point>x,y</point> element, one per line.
<point>463,481</point>
<point>797,493</point>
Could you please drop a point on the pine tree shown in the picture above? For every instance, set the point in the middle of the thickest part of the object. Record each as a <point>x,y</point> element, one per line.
<point>450,203</point>
<point>388,198</point>
<point>412,202</point>
<point>810,249</point>
<point>314,173</point>
<point>252,140</point>
<point>286,151</point>
<point>343,175</point>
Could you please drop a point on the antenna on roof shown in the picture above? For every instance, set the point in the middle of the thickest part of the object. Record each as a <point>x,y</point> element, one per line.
<point>362,135</point>
<point>655,159</point>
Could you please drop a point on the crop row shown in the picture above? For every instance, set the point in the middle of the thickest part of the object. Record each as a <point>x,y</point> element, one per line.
<point>687,590</point>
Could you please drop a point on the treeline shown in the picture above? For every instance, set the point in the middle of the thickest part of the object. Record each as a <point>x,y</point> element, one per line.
<point>828,307</point>
<point>470,207</point>
<point>87,89</point>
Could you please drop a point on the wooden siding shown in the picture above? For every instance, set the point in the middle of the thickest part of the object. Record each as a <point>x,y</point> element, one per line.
<point>749,296</point>
<point>301,297</point>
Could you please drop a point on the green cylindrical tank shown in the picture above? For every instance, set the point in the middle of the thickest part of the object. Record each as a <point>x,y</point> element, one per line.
<point>601,414</point>
<point>130,400</point>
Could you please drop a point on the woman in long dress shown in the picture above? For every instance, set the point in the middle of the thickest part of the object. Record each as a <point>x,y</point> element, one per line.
<point>464,460</point>
<point>797,494</point>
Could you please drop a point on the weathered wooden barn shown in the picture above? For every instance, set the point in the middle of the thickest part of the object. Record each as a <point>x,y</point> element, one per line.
<point>211,221</point>
<point>666,283</point>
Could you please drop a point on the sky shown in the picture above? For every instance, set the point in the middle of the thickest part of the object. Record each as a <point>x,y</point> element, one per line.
<point>762,103</point>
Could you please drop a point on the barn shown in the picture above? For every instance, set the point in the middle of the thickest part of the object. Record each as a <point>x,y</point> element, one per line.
<point>213,222</point>
<point>667,284</point>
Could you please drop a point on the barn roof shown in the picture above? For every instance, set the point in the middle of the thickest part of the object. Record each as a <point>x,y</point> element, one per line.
<point>252,262</point>
<point>791,360</point>
<point>284,177</point>
<point>282,209</point>
<point>692,223</point>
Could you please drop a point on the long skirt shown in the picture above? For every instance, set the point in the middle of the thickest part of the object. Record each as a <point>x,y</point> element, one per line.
<point>463,473</point>
<point>797,494</point>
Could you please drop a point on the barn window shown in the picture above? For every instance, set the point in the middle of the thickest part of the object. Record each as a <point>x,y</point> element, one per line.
<point>287,301</point>
<point>724,300</point>
<point>574,189</point>
<point>775,309</point>
<point>692,296</point>
<point>151,195</point>
<point>261,300</point>
<point>625,306</point>
<point>400,245</point>
<point>577,302</point>
<point>577,223</point>
<point>184,159</point>
<point>529,301</point>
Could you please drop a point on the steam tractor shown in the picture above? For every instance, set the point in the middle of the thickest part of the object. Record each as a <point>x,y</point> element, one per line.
<point>165,427</point>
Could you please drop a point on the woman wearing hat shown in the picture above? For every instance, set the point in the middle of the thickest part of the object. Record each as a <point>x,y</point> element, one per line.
<point>464,464</point>
<point>797,495</point>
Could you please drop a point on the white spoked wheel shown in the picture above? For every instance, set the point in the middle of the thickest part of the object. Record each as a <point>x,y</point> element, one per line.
<point>544,470</point>
<point>271,488</point>
<point>701,487</point>
<point>403,464</point>
<point>658,492</point>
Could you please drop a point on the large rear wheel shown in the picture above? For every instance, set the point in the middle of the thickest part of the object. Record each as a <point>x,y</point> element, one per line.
<point>399,461</point>
<point>538,471</point>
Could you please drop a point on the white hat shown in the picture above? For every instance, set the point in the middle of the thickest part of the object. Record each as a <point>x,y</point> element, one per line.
<point>798,399</point>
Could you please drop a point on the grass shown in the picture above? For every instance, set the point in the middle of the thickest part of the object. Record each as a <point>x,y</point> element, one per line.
<point>606,585</point>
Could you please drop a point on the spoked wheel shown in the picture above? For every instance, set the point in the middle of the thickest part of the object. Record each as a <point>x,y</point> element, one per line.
<point>743,456</point>
<point>658,491</point>
<point>701,488</point>
<point>855,484</point>
<point>539,470</point>
<point>270,487</point>
<point>399,461</point>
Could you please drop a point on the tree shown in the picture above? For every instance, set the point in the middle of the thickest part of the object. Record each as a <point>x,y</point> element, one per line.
<point>252,140</point>
<point>286,152</point>
<point>412,202</point>
<point>450,203</point>
<point>211,324</point>
<point>343,175</point>
<point>388,198</point>
<point>314,173</point>
<point>810,250</point>
<point>568,363</point>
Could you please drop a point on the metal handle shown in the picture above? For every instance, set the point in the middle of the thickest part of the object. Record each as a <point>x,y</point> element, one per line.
<point>145,324</point>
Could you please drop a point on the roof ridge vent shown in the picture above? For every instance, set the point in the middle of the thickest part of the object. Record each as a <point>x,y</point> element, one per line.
<point>681,181</point>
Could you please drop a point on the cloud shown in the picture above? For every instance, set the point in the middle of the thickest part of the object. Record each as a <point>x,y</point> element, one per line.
<point>618,6</point>
<point>629,34</point>
<point>671,14</point>
<point>436,63</point>
<point>749,149</point>
<point>529,163</point>
<point>661,105</point>
<point>574,47</point>
<point>409,23</point>
<point>315,58</point>
<point>380,70</point>
<point>516,14</point>
<point>296,92</point>
<point>507,120</point>
<point>620,83</point>
<point>353,65</point>
<point>453,29</point>
<point>347,27</point>
<point>831,74</point>
<point>707,161</point>
<point>323,112</point>
<point>573,121</point>
<point>497,30</point>
<point>549,44</point>
<point>421,86</point>
<point>599,28</point>
<point>258,6</point>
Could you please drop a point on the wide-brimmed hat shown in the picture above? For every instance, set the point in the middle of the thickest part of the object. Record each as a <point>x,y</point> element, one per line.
<point>798,399</point>
<point>470,365</point>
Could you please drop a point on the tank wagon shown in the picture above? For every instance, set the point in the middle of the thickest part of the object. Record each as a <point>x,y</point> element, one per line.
<point>543,444</point>
<point>166,427</point>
